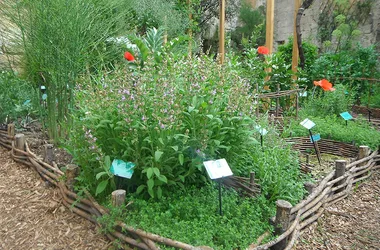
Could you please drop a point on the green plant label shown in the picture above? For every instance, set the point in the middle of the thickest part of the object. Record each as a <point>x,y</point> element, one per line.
<point>307,123</point>
<point>122,168</point>
<point>316,137</point>
<point>346,116</point>
<point>44,96</point>
<point>217,169</point>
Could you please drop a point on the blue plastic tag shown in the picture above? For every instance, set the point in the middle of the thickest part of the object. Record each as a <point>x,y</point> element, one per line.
<point>346,116</point>
<point>316,137</point>
<point>122,168</point>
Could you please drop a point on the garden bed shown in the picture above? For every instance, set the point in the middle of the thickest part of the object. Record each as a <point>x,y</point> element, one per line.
<point>330,190</point>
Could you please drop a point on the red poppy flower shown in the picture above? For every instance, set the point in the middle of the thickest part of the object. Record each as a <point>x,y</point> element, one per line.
<point>324,84</point>
<point>263,50</point>
<point>129,57</point>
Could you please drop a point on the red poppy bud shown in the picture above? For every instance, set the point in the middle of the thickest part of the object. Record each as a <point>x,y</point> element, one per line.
<point>129,57</point>
<point>263,50</point>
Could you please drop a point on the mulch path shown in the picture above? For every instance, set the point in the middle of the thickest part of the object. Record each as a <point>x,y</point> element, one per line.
<point>353,223</point>
<point>33,217</point>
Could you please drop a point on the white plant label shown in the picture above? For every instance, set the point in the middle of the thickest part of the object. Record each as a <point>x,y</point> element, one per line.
<point>217,169</point>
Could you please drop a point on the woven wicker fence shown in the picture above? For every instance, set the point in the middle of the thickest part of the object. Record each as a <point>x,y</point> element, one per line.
<point>334,187</point>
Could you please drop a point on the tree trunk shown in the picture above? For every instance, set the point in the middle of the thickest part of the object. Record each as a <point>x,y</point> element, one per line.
<point>305,5</point>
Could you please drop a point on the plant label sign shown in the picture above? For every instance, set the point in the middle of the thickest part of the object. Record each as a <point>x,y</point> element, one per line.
<point>346,116</point>
<point>261,130</point>
<point>302,94</point>
<point>315,137</point>
<point>217,169</point>
<point>122,168</point>
<point>307,123</point>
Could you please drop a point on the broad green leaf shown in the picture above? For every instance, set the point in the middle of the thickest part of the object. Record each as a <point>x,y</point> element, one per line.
<point>175,148</point>
<point>182,178</point>
<point>190,109</point>
<point>101,186</point>
<point>181,159</point>
<point>107,161</point>
<point>150,183</point>
<point>140,189</point>
<point>151,193</point>
<point>149,173</point>
<point>163,178</point>
<point>210,116</point>
<point>157,155</point>
<point>156,172</point>
<point>159,192</point>
<point>100,175</point>
<point>162,141</point>
<point>217,143</point>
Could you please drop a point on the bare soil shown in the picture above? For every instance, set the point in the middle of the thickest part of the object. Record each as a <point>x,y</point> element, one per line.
<point>33,217</point>
<point>353,223</point>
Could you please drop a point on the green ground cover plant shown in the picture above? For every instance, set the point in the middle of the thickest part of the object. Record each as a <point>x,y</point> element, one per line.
<point>19,100</point>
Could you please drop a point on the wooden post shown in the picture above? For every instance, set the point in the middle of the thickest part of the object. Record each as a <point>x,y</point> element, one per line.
<point>48,154</point>
<point>258,101</point>
<point>190,29</point>
<point>340,170</point>
<point>251,179</point>
<point>282,221</point>
<point>297,104</point>
<point>222,9</point>
<point>297,5</point>
<point>72,171</point>
<point>20,142</point>
<point>269,26</point>
<point>309,187</point>
<point>11,129</point>
<point>363,152</point>
<point>307,158</point>
<point>118,197</point>
<point>278,100</point>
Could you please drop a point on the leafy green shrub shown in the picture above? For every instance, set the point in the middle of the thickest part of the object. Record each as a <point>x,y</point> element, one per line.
<point>18,99</point>
<point>334,127</point>
<point>324,103</point>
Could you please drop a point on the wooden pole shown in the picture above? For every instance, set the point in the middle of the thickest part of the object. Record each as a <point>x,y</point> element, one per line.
<point>118,197</point>
<point>11,129</point>
<point>222,9</point>
<point>278,101</point>
<point>364,151</point>
<point>72,171</point>
<point>190,29</point>
<point>297,4</point>
<point>269,26</point>
<point>48,154</point>
<point>20,142</point>
<point>282,221</point>
<point>340,170</point>
<point>251,179</point>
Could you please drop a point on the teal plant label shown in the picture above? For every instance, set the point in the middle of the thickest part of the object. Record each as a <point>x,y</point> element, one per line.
<point>217,169</point>
<point>122,168</point>
<point>316,137</point>
<point>307,123</point>
<point>346,116</point>
<point>302,94</point>
<point>261,130</point>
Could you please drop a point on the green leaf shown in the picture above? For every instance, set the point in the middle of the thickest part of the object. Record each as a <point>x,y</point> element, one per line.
<point>107,161</point>
<point>149,173</point>
<point>175,148</point>
<point>151,193</point>
<point>100,175</point>
<point>101,187</point>
<point>182,178</point>
<point>140,189</point>
<point>162,141</point>
<point>163,178</point>
<point>190,109</point>
<point>217,143</point>
<point>210,116</point>
<point>156,172</point>
<point>159,192</point>
<point>181,159</point>
<point>157,155</point>
<point>150,183</point>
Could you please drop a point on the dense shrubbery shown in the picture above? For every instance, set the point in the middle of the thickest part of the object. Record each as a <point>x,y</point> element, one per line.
<point>18,98</point>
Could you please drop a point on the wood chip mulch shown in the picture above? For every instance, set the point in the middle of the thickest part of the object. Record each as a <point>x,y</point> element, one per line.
<point>33,217</point>
<point>353,223</point>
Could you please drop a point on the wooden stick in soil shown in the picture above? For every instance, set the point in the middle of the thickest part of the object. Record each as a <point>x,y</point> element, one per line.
<point>118,197</point>
<point>48,154</point>
<point>282,221</point>
<point>11,130</point>
<point>20,142</point>
<point>72,172</point>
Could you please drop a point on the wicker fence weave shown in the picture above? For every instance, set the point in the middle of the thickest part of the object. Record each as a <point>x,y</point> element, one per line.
<point>329,190</point>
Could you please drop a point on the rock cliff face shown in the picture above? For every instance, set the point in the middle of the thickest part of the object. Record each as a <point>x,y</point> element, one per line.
<point>284,21</point>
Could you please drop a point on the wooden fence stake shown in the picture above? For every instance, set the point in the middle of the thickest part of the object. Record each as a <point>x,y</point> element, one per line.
<point>251,179</point>
<point>282,222</point>
<point>309,186</point>
<point>364,151</point>
<point>20,142</point>
<point>340,170</point>
<point>118,197</point>
<point>48,154</point>
<point>11,129</point>
<point>72,171</point>
<point>308,159</point>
